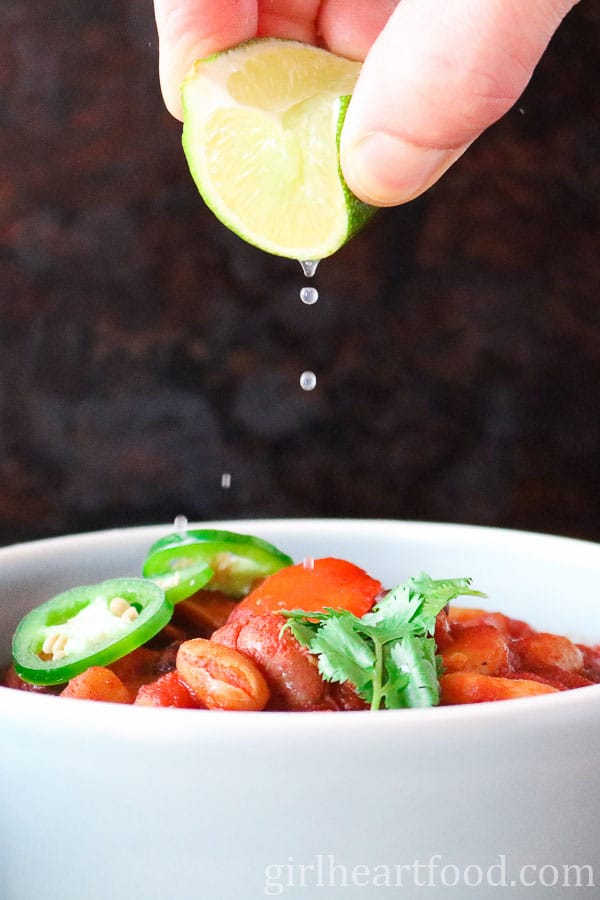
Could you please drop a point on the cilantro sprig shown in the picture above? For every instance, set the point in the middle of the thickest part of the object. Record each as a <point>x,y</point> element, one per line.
<point>389,654</point>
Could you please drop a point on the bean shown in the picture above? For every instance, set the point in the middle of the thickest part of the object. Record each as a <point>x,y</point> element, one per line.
<point>477,648</point>
<point>220,677</point>
<point>543,649</point>
<point>290,671</point>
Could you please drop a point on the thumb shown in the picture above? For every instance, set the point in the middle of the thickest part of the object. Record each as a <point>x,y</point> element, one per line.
<point>191,29</point>
<point>435,78</point>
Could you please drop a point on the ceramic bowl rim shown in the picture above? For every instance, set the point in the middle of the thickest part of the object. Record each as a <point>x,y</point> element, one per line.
<point>142,722</point>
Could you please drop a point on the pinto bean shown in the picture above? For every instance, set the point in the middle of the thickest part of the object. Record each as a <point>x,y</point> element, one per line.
<point>542,649</point>
<point>477,648</point>
<point>290,671</point>
<point>228,633</point>
<point>221,678</point>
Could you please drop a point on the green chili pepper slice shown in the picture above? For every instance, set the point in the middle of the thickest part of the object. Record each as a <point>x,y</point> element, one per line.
<point>91,625</point>
<point>211,558</point>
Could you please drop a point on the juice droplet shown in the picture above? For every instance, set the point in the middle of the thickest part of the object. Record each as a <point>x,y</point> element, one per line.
<point>226,480</point>
<point>309,295</point>
<point>180,523</point>
<point>309,266</point>
<point>308,562</point>
<point>308,381</point>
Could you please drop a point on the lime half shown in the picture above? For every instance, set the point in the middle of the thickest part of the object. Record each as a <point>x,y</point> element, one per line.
<point>262,123</point>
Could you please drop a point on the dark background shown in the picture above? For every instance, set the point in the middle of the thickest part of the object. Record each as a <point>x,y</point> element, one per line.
<point>144,350</point>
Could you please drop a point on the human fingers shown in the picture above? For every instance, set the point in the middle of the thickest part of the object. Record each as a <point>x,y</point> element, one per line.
<point>349,27</point>
<point>292,19</point>
<point>191,29</point>
<point>435,78</point>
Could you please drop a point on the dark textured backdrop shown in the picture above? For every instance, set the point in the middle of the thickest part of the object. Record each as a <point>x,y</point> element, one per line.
<point>144,350</point>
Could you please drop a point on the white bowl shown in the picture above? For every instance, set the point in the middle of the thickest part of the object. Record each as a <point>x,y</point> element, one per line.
<point>103,801</point>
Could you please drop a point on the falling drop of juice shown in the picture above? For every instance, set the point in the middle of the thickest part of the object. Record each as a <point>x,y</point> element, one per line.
<point>226,480</point>
<point>308,562</point>
<point>308,381</point>
<point>180,523</point>
<point>309,266</point>
<point>309,295</point>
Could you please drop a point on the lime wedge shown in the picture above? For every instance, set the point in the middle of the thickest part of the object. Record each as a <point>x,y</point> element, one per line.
<point>262,123</point>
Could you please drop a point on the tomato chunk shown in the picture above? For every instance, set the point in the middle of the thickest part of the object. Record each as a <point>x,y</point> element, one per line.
<point>328,582</point>
<point>168,690</point>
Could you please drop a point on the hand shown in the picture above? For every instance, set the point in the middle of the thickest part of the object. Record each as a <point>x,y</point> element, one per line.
<point>436,73</point>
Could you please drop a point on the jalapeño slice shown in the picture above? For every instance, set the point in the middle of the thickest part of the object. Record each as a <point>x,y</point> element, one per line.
<point>184,562</point>
<point>91,625</point>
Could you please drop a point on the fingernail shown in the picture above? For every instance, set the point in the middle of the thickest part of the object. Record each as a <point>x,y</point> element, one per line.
<point>384,170</point>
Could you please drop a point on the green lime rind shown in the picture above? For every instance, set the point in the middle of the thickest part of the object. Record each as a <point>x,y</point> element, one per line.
<point>359,212</point>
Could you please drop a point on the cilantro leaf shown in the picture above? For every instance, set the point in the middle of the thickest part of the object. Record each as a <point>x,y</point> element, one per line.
<point>416,658</point>
<point>302,629</point>
<point>389,654</point>
<point>414,605</point>
<point>393,689</point>
<point>438,594</point>
<point>344,655</point>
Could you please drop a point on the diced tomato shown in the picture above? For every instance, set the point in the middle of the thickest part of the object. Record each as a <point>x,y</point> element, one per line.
<point>168,690</point>
<point>327,582</point>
